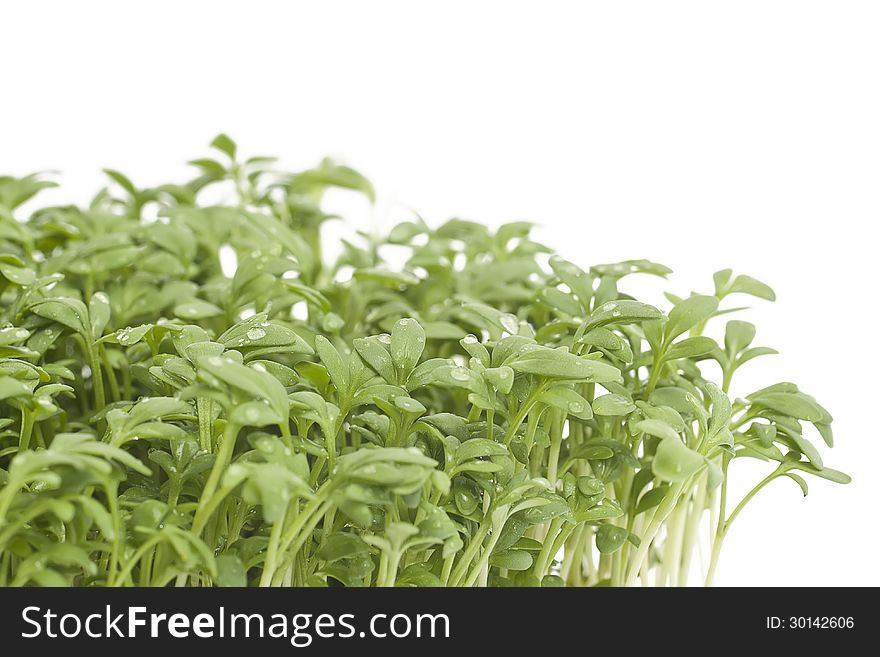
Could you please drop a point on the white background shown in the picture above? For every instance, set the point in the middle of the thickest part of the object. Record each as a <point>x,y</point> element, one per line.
<point>699,134</point>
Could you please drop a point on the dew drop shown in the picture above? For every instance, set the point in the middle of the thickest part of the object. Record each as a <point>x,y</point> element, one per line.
<point>509,322</point>
<point>408,404</point>
<point>256,333</point>
<point>384,338</point>
<point>333,322</point>
<point>459,373</point>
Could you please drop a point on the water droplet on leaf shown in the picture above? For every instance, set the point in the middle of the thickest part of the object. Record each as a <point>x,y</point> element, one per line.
<point>509,322</point>
<point>460,373</point>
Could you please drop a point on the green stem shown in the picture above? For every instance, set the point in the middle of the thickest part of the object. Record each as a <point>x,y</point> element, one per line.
<point>547,551</point>
<point>111,374</point>
<point>221,462</point>
<point>663,510</point>
<point>692,525</point>
<point>468,556</point>
<point>272,553</point>
<point>391,567</point>
<point>724,525</point>
<point>130,564</point>
<point>302,535</point>
<point>521,414</point>
<point>555,446</point>
<point>499,517</point>
<point>655,373</point>
<point>27,426</point>
<point>204,411</point>
<point>97,377</point>
<point>116,542</point>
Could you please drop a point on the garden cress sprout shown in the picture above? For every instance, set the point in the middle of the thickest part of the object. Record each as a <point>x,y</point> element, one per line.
<point>474,418</point>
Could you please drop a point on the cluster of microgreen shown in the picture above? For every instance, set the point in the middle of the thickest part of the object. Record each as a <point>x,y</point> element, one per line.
<point>487,415</point>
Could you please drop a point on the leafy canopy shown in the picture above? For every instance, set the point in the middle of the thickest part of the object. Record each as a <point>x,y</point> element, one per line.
<point>480,416</point>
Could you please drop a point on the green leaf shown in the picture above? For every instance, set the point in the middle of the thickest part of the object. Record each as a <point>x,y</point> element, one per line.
<point>612,404</point>
<point>337,368</point>
<point>738,336</point>
<point>825,473</point>
<point>270,485</point>
<point>342,546</point>
<point>225,145</point>
<point>501,378</point>
<point>374,351</point>
<point>409,405</point>
<point>568,401</point>
<point>255,414</point>
<point>71,313</point>
<point>231,572</point>
<point>99,313</point>
<point>122,180</point>
<point>407,344</point>
<point>623,311</point>
<point>578,281</point>
<point>651,498</point>
<point>691,348</point>
<point>257,335</point>
<point>560,364</point>
<point>675,461</point>
<point>748,285</point>
<point>610,538</point>
<point>258,384</point>
<point>512,560</point>
<point>794,404</point>
<point>802,484</point>
<point>10,388</point>
<point>657,428</point>
<point>196,309</point>
<point>331,174</point>
<point>15,271</point>
<point>689,313</point>
<point>478,448</point>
